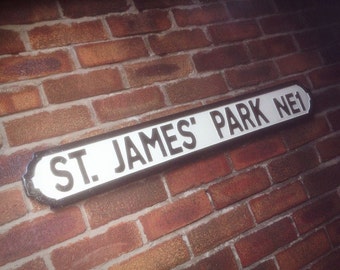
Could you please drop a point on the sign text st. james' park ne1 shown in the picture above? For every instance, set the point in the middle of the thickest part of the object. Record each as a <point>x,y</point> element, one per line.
<point>75,171</point>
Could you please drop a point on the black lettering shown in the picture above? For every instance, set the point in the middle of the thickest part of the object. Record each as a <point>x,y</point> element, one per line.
<point>218,121</point>
<point>155,139</point>
<point>121,166</point>
<point>257,112</point>
<point>170,139</point>
<point>77,155</point>
<point>187,134</point>
<point>281,106</point>
<point>292,103</point>
<point>233,123</point>
<point>61,173</point>
<point>300,99</point>
<point>244,113</point>
<point>132,153</point>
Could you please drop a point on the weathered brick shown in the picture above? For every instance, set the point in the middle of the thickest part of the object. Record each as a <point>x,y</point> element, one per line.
<point>178,41</point>
<point>81,8</point>
<point>333,118</point>
<point>166,255</point>
<point>314,39</point>
<point>327,99</point>
<point>201,15</point>
<point>16,68</point>
<point>333,230</point>
<point>37,264</point>
<point>175,215</point>
<point>320,211</point>
<point>220,58</point>
<point>304,251</point>
<point>277,201</point>
<point>271,47</point>
<point>265,241</point>
<point>220,229</point>
<point>12,205</point>
<point>27,11</point>
<point>10,42</point>
<point>110,52</point>
<point>257,151</point>
<point>330,262</point>
<point>239,187</point>
<point>141,23</point>
<point>90,252</point>
<point>251,74</point>
<point>90,84</point>
<point>45,125</point>
<point>325,76</point>
<point>292,164</point>
<point>196,173</point>
<point>128,104</point>
<point>250,8</point>
<point>230,32</point>
<point>194,89</point>
<point>266,265</point>
<point>125,200</point>
<point>305,132</point>
<point>40,233</point>
<point>151,4</point>
<point>64,34</point>
<point>19,99</point>
<point>163,69</point>
<point>281,23</point>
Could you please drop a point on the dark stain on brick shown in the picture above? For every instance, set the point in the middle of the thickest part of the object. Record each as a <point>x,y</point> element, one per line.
<point>157,70</point>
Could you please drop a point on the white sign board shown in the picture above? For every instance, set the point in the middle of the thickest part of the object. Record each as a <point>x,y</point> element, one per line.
<point>71,172</point>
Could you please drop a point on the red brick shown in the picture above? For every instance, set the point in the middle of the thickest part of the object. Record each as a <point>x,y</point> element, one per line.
<point>158,70</point>
<point>230,32</point>
<point>196,173</point>
<point>16,68</point>
<point>90,252</point>
<point>37,264</point>
<point>220,58</point>
<point>286,6</point>
<point>40,233</point>
<point>265,241</point>
<point>305,132</point>
<point>220,229</point>
<point>292,164</point>
<point>141,23</point>
<point>277,201</point>
<point>175,215</point>
<point>271,47</point>
<point>318,212</point>
<point>314,39</point>
<point>257,151</point>
<point>333,230</point>
<point>125,200</point>
<point>322,14</point>
<point>327,99</point>
<point>251,74</point>
<point>194,89</point>
<point>281,23</point>
<point>27,11</point>
<point>322,181</point>
<point>166,255</point>
<point>45,125</point>
<point>250,8</point>
<point>325,76</point>
<point>10,42</point>
<point>267,265</point>
<point>298,62</point>
<point>333,118</point>
<point>128,104</point>
<point>239,187</point>
<point>330,262</point>
<point>19,99</point>
<point>12,205</point>
<point>64,34</point>
<point>201,15</point>
<point>331,54</point>
<point>303,252</point>
<point>83,85</point>
<point>151,4</point>
<point>223,259</point>
<point>81,8</point>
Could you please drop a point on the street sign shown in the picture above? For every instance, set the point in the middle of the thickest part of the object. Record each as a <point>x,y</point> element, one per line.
<point>77,170</point>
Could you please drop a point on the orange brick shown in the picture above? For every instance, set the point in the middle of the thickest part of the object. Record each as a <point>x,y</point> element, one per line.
<point>141,23</point>
<point>90,252</point>
<point>10,42</point>
<point>333,230</point>
<point>196,173</point>
<point>281,23</point>
<point>163,69</point>
<point>12,205</point>
<point>110,52</point>
<point>83,85</point>
<point>250,8</point>
<point>277,201</point>
<point>37,264</point>
<point>47,124</point>
<point>194,89</point>
<point>257,151</point>
<point>64,34</point>
<point>166,255</point>
<point>201,15</point>
<point>125,200</point>
<point>16,68</point>
<point>265,241</point>
<point>150,4</point>
<point>175,215</point>
<point>129,104</point>
<point>325,76</point>
<point>40,233</point>
<point>239,187</point>
<point>220,229</point>
<point>304,251</point>
<point>19,99</point>
<point>330,262</point>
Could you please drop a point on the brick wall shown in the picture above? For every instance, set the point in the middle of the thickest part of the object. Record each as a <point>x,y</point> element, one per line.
<point>72,69</point>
